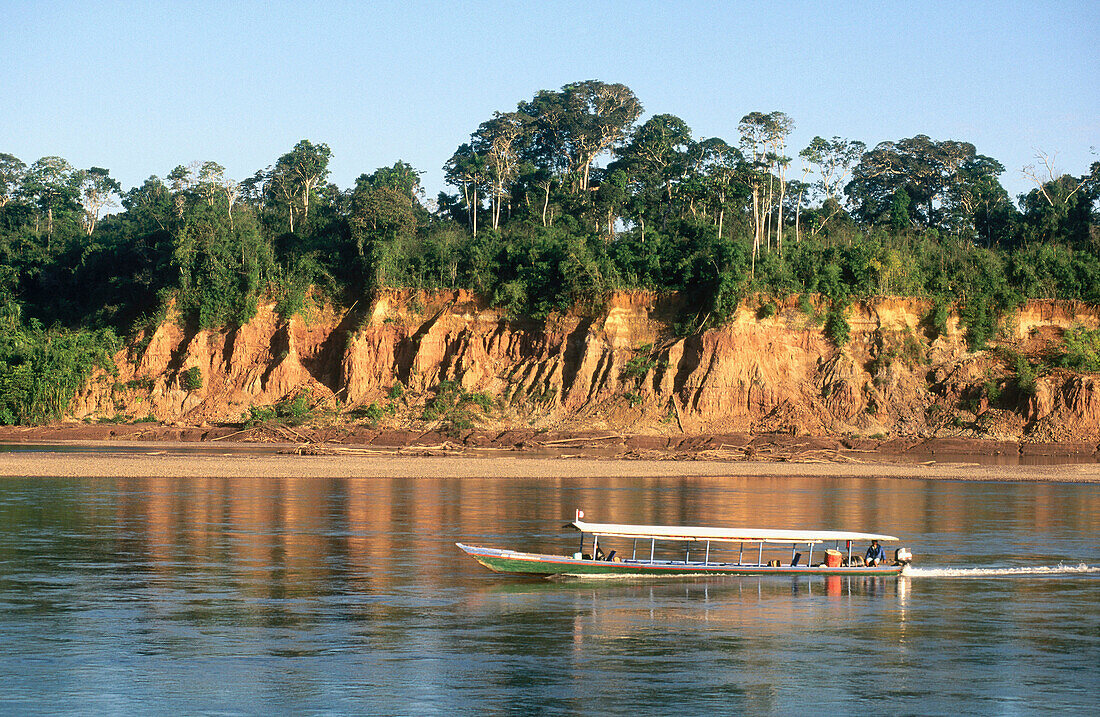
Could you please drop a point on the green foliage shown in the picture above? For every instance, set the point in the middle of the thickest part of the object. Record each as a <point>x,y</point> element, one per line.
<point>289,412</point>
<point>836,324</point>
<point>42,369</point>
<point>991,389</point>
<point>451,406</point>
<point>191,379</point>
<point>538,229</point>
<point>892,346</point>
<point>1025,381</point>
<point>1082,349</point>
<point>936,320</point>
<point>639,365</point>
<point>766,310</point>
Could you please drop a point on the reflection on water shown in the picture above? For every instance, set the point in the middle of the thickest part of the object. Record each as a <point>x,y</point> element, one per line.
<point>152,596</point>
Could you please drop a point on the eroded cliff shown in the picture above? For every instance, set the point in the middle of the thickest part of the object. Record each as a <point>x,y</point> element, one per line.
<point>766,371</point>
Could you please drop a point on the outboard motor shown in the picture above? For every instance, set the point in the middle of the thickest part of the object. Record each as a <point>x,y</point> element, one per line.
<point>902,556</point>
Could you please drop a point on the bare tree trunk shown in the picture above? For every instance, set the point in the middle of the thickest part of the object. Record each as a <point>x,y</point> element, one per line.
<point>768,215</point>
<point>779,221</point>
<point>469,207</point>
<point>797,214</point>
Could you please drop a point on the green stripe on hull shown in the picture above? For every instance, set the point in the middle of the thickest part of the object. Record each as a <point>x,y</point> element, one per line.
<point>502,564</point>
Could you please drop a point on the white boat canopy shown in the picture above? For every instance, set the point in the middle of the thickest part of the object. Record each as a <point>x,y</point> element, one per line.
<point>725,535</point>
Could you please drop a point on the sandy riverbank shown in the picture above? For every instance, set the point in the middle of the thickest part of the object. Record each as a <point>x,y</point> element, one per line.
<point>118,461</point>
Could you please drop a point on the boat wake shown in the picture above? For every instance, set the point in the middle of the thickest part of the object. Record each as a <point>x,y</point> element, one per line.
<point>1043,570</point>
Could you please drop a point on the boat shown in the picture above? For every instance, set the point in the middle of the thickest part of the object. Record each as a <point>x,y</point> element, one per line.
<point>704,551</point>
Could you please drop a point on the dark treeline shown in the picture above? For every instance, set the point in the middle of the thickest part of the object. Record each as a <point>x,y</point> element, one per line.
<point>556,203</point>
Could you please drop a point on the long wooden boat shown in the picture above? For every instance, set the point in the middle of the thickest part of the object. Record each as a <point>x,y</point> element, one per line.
<point>706,551</point>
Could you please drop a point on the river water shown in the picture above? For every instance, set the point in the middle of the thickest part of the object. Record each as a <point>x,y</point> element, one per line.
<point>317,596</point>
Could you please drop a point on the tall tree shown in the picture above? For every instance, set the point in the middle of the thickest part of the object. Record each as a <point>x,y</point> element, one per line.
<point>656,158</point>
<point>833,160</point>
<point>499,140</point>
<point>978,203</point>
<point>11,178</point>
<point>926,168</point>
<point>1060,206</point>
<point>571,128</point>
<point>781,128</point>
<point>297,175</point>
<point>98,191</point>
<point>763,139</point>
<point>383,214</point>
<point>52,184</point>
<point>468,169</point>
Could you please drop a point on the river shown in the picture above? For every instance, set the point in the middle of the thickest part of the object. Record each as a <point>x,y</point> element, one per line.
<point>347,596</point>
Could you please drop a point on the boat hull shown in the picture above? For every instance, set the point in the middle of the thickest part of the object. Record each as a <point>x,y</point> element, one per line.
<point>510,561</point>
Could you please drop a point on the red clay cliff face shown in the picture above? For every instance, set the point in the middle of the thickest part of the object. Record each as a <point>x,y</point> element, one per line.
<point>623,369</point>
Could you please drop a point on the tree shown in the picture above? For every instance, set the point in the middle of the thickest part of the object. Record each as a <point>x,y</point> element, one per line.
<point>383,215</point>
<point>833,160</point>
<point>498,142</point>
<point>468,169</point>
<point>98,191</point>
<point>1060,206</point>
<point>926,168</point>
<point>763,138</point>
<point>297,174</point>
<point>781,128</point>
<point>11,178</point>
<point>572,127</point>
<point>899,211</point>
<point>720,167</point>
<point>52,184</point>
<point>977,202</point>
<point>656,159</point>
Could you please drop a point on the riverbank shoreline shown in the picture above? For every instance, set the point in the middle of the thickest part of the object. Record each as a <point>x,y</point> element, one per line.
<point>98,459</point>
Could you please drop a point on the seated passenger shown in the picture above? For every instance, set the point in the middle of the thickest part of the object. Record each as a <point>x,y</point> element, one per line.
<point>599,553</point>
<point>875,554</point>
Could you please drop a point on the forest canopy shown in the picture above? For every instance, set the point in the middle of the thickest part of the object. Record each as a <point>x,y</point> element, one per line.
<point>570,196</point>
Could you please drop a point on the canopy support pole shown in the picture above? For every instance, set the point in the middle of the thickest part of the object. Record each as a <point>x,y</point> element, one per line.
<point>760,556</point>
<point>741,554</point>
<point>652,548</point>
<point>706,557</point>
<point>634,552</point>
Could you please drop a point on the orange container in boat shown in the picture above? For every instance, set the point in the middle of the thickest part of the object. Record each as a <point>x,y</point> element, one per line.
<point>832,558</point>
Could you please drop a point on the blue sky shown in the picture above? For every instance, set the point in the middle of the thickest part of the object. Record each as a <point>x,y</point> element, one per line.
<point>142,87</point>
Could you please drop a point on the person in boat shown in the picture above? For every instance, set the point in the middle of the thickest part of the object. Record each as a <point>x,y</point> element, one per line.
<point>875,554</point>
